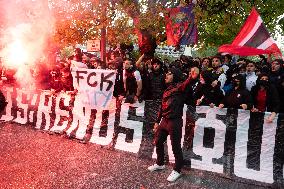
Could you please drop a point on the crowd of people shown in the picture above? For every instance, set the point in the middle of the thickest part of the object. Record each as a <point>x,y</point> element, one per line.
<point>220,82</point>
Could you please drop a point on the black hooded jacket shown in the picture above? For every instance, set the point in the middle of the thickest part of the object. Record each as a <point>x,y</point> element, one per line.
<point>173,98</point>
<point>154,85</point>
<point>238,96</point>
<point>207,92</point>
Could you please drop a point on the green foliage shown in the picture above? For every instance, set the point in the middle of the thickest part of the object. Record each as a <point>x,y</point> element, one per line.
<point>205,52</point>
<point>218,21</point>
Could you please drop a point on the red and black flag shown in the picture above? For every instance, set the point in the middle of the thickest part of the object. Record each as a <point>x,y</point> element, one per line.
<point>180,26</point>
<point>253,39</point>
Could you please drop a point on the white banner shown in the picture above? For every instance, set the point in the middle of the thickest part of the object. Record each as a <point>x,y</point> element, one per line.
<point>123,126</point>
<point>95,87</point>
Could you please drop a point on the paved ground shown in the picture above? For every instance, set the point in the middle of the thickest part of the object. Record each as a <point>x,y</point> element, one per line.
<point>33,159</point>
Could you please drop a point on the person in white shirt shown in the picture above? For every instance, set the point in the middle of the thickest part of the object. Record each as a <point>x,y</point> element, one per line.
<point>251,77</point>
<point>218,72</point>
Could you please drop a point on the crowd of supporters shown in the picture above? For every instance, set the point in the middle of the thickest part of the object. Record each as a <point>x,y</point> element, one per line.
<point>221,82</point>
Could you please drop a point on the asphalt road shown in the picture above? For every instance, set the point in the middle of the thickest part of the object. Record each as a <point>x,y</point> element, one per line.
<point>30,158</point>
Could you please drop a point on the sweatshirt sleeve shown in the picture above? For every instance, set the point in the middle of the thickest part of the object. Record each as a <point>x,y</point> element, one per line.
<point>182,86</point>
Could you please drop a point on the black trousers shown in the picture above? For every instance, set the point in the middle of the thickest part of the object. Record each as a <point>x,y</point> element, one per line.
<point>172,127</point>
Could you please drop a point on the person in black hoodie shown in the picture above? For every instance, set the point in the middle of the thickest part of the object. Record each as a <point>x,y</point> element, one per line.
<point>169,122</point>
<point>206,93</point>
<point>276,71</point>
<point>119,85</point>
<point>190,101</point>
<point>154,83</point>
<point>239,97</point>
<point>277,78</point>
<point>265,97</point>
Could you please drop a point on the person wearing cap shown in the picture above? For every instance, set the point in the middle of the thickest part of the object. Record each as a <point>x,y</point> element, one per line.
<point>169,122</point>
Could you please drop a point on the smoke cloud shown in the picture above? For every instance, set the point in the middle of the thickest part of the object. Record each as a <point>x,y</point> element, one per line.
<point>25,27</point>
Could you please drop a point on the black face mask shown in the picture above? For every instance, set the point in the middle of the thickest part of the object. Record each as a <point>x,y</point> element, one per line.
<point>263,83</point>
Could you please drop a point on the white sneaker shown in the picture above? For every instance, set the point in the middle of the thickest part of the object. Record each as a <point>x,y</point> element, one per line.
<point>173,176</point>
<point>156,167</point>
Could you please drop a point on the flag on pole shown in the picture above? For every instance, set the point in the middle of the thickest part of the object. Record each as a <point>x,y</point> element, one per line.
<point>253,39</point>
<point>180,26</point>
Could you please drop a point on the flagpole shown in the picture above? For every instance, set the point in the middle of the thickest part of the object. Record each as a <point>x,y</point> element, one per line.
<point>103,33</point>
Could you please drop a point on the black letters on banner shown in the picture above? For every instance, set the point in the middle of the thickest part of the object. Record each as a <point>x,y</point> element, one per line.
<point>78,76</point>
<point>105,79</point>
<point>88,80</point>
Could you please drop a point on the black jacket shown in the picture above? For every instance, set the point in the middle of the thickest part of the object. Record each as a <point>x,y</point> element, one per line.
<point>210,94</point>
<point>173,101</point>
<point>237,97</point>
<point>154,85</point>
<point>190,92</point>
<point>119,86</point>
<point>281,94</point>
